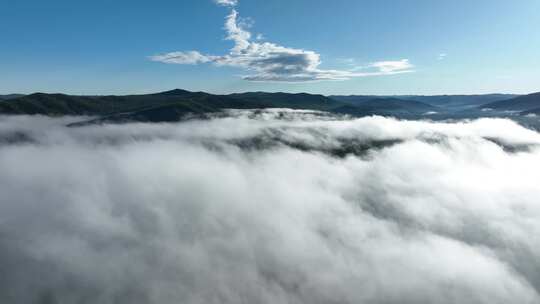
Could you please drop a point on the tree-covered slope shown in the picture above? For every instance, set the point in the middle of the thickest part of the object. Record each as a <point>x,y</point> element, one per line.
<point>177,104</point>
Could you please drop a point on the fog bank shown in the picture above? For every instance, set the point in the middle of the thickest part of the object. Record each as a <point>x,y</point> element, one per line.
<point>272,206</point>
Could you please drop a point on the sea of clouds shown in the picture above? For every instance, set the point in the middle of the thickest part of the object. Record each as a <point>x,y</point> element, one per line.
<point>272,206</point>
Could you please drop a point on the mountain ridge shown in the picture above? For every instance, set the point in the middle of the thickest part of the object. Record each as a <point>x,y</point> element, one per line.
<point>521,103</point>
<point>445,101</point>
<point>175,104</point>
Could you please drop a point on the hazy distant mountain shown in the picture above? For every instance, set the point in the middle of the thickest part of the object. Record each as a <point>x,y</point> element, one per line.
<point>533,111</point>
<point>460,101</point>
<point>453,102</point>
<point>390,106</point>
<point>356,99</point>
<point>521,103</point>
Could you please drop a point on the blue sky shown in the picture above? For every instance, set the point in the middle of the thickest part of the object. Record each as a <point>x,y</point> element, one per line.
<point>316,46</point>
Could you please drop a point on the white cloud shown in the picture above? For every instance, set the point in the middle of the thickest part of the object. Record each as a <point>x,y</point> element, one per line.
<point>236,33</point>
<point>271,62</point>
<point>393,66</point>
<point>227,2</point>
<point>256,209</point>
<point>192,57</point>
<point>442,56</point>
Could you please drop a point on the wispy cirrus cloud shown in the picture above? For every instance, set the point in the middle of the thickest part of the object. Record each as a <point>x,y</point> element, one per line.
<point>392,66</point>
<point>192,57</point>
<point>267,61</point>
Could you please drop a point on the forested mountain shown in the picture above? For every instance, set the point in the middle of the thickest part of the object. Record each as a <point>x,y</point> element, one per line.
<point>176,104</point>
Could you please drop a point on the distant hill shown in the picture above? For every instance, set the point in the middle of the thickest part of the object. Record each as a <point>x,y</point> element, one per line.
<point>356,99</point>
<point>10,96</point>
<point>53,104</point>
<point>533,111</point>
<point>460,101</point>
<point>452,102</point>
<point>177,104</point>
<point>61,104</point>
<point>163,106</point>
<point>287,100</point>
<point>389,106</point>
<point>521,103</point>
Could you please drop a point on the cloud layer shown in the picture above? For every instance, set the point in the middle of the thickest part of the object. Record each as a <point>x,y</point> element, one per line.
<point>269,207</point>
<point>271,62</point>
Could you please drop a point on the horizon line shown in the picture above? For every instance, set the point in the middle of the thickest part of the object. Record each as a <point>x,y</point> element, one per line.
<point>268,92</point>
